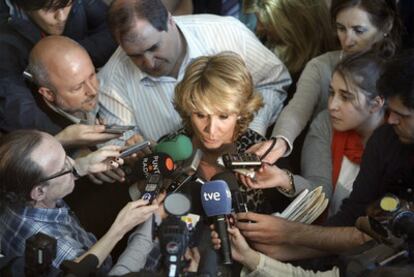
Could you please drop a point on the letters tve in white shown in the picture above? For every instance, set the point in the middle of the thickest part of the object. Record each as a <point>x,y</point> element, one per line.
<point>212,196</point>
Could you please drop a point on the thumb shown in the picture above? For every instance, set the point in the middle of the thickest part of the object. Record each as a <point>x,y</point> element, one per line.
<point>98,128</point>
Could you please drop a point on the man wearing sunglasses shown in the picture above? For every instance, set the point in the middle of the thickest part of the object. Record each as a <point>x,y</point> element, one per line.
<point>35,174</point>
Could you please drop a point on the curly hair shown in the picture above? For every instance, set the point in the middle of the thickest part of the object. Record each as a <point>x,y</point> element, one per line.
<point>217,84</point>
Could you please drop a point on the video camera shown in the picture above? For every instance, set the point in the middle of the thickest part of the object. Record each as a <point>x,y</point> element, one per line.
<point>390,222</point>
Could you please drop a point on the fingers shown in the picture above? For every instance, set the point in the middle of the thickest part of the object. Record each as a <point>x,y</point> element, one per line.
<point>249,216</point>
<point>116,174</point>
<point>134,139</point>
<point>94,179</point>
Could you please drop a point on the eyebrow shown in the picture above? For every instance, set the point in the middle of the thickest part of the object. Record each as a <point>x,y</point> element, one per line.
<point>151,48</point>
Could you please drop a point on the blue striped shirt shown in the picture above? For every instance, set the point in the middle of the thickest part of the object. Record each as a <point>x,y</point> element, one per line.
<point>18,224</point>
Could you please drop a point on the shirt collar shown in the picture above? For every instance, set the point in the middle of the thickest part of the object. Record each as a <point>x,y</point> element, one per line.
<point>88,118</point>
<point>53,215</point>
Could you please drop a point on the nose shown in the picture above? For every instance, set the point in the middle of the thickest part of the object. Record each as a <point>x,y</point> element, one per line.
<point>60,15</point>
<point>91,88</point>
<point>148,60</point>
<point>333,103</point>
<point>349,39</point>
<point>211,126</point>
<point>393,118</point>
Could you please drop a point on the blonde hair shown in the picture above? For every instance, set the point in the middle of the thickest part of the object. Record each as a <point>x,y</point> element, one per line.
<point>217,84</point>
<point>302,29</point>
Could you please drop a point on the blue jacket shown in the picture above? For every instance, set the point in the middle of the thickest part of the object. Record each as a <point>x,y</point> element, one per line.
<point>19,105</point>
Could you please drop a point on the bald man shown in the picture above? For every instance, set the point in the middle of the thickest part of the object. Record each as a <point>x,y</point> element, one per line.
<point>66,81</point>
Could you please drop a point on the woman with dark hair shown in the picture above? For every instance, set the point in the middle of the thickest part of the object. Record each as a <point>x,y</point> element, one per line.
<point>361,25</point>
<point>334,145</point>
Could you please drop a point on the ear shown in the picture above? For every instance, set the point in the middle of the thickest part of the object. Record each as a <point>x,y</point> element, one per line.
<point>377,104</point>
<point>47,94</point>
<point>170,21</point>
<point>388,26</point>
<point>38,193</point>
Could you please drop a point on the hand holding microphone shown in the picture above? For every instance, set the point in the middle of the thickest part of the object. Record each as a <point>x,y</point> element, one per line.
<point>216,201</point>
<point>240,249</point>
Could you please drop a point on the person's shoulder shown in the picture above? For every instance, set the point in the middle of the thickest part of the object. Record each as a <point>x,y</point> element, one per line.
<point>323,119</point>
<point>322,124</point>
<point>119,62</point>
<point>384,134</point>
<point>209,20</point>
<point>329,58</point>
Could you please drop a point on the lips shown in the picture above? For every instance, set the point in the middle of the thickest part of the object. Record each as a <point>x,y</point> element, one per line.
<point>209,141</point>
<point>335,119</point>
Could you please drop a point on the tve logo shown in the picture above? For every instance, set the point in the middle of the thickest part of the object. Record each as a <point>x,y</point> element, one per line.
<point>215,198</point>
<point>212,196</point>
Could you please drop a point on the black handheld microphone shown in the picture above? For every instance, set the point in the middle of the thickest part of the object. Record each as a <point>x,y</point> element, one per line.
<point>216,201</point>
<point>239,198</point>
<point>153,185</point>
<point>154,163</point>
<point>185,172</point>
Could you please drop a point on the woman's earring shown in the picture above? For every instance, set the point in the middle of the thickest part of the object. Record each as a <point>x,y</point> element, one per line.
<point>385,35</point>
<point>239,117</point>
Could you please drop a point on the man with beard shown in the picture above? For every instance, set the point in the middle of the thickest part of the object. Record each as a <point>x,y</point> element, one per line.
<point>66,81</point>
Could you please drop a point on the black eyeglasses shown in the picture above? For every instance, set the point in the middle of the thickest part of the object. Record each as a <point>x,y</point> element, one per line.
<point>67,168</point>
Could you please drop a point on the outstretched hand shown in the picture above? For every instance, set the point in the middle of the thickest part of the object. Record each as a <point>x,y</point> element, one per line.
<point>84,135</point>
<point>277,151</point>
<point>103,159</point>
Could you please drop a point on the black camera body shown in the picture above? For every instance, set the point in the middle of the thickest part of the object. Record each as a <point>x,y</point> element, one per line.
<point>174,239</point>
<point>40,252</point>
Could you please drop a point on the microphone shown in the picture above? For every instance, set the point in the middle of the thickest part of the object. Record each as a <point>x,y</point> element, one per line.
<point>216,201</point>
<point>173,233</point>
<point>86,267</point>
<point>177,146</point>
<point>151,164</point>
<point>239,198</point>
<point>185,172</point>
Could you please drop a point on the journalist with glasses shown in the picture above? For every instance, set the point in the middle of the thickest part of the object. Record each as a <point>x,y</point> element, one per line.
<point>35,175</point>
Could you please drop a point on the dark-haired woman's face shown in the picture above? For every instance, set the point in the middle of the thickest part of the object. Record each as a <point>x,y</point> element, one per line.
<point>355,30</point>
<point>348,108</point>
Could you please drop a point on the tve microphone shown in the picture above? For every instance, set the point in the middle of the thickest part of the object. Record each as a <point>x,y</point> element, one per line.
<point>178,147</point>
<point>151,164</point>
<point>239,198</point>
<point>216,201</point>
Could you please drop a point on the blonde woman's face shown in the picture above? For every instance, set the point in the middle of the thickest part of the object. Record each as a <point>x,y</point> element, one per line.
<point>214,130</point>
<point>355,30</point>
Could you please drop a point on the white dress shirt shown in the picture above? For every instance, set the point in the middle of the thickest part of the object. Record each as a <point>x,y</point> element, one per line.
<point>131,97</point>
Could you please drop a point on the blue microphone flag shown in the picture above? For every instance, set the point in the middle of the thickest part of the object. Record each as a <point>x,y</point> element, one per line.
<point>216,198</point>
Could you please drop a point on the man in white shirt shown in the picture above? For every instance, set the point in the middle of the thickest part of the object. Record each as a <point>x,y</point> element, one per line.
<point>155,48</point>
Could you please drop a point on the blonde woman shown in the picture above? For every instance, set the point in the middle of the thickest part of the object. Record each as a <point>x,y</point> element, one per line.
<point>216,101</point>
